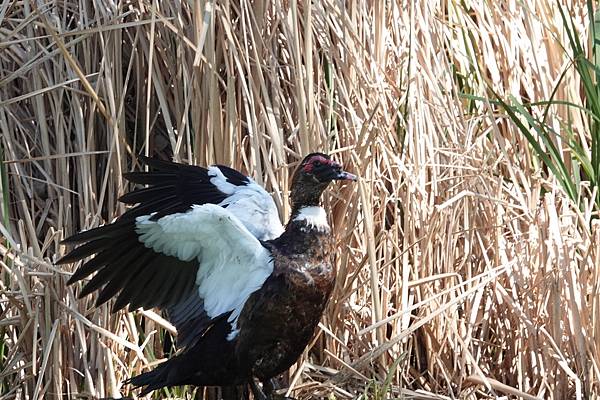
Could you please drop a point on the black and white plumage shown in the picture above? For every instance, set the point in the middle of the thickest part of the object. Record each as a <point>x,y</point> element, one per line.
<point>207,246</point>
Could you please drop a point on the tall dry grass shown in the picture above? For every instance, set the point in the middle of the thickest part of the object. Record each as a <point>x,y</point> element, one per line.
<point>464,270</point>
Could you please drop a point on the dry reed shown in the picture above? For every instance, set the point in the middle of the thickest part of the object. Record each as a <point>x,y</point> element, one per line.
<point>464,271</point>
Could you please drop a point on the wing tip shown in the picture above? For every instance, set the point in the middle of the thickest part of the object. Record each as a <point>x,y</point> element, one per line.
<point>72,280</point>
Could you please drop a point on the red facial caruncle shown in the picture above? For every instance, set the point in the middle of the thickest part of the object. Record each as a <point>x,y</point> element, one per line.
<point>310,164</point>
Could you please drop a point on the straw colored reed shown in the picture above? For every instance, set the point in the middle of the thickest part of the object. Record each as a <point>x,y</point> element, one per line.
<point>464,270</point>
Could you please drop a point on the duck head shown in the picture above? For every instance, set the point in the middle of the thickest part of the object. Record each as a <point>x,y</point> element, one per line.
<point>312,177</point>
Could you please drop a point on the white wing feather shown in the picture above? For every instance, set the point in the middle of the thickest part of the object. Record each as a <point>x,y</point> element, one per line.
<point>251,204</point>
<point>233,263</point>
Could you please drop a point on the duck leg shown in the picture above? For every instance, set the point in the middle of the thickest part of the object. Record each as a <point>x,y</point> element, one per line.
<point>257,391</point>
<point>268,386</point>
<point>234,393</point>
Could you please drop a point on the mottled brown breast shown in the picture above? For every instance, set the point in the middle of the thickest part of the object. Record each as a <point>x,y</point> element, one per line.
<point>307,263</point>
<point>279,320</point>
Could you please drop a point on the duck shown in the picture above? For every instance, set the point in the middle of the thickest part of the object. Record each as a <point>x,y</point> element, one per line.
<point>206,246</point>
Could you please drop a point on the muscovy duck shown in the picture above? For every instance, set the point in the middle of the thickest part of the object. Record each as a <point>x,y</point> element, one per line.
<point>206,245</point>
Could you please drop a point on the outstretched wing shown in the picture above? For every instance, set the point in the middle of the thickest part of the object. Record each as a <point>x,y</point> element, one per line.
<point>191,246</point>
<point>198,265</point>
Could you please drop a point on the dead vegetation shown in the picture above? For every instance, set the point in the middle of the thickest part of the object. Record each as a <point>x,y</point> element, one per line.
<point>465,271</point>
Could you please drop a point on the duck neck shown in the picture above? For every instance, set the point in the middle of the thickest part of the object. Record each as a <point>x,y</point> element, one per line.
<point>303,200</point>
<point>307,213</point>
<point>305,195</point>
<point>297,207</point>
<point>309,218</point>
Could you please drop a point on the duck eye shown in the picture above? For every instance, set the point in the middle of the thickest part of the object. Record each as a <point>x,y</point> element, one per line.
<point>317,163</point>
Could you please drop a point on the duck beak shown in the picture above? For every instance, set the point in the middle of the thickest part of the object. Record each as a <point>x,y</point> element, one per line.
<point>345,176</point>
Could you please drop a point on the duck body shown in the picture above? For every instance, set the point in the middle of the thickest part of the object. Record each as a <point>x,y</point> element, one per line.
<point>206,246</point>
<point>279,320</point>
